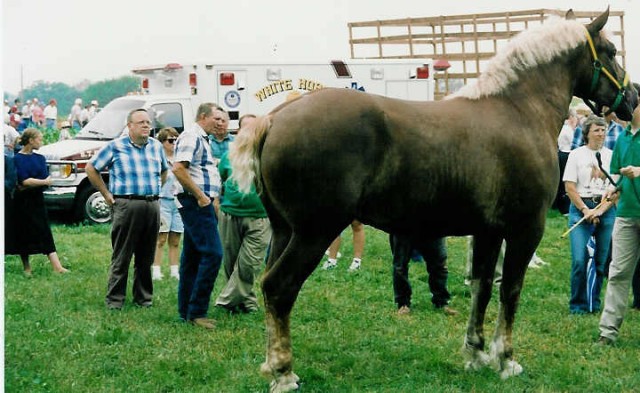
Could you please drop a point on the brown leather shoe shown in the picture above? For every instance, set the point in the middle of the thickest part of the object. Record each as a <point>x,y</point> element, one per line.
<point>449,311</point>
<point>604,341</point>
<point>404,310</point>
<point>204,323</point>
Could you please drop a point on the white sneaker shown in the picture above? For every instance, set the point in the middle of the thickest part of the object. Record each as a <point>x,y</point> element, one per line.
<point>329,264</point>
<point>355,265</point>
<point>536,262</point>
<point>533,264</point>
<point>156,274</point>
<point>539,260</point>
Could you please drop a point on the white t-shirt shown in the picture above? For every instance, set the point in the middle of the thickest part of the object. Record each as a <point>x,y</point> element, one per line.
<point>565,138</point>
<point>50,112</point>
<point>10,135</point>
<point>582,169</point>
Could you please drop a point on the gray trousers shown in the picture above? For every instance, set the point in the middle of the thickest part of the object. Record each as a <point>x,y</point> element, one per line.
<point>134,233</point>
<point>497,278</point>
<point>624,258</point>
<point>244,241</point>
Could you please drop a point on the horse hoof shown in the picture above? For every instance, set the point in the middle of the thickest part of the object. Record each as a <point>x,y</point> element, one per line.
<point>511,369</point>
<point>479,360</point>
<point>285,383</point>
<point>265,370</point>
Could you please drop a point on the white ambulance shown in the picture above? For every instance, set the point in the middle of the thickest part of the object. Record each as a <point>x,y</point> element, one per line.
<point>172,92</point>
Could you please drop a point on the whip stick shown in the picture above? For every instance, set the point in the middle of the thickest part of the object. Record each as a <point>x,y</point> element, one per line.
<point>599,159</point>
<point>582,219</point>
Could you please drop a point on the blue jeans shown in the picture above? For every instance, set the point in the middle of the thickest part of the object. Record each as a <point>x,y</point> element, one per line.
<point>200,260</point>
<point>580,257</point>
<point>51,123</point>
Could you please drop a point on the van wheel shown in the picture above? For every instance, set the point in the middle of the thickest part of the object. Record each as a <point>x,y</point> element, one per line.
<point>91,205</point>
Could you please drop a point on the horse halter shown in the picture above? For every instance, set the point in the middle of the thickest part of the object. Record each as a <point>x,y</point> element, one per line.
<point>597,67</point>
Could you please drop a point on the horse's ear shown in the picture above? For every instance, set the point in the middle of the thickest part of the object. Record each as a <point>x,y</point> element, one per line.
<point>598,23</point>
<point>570,15</point>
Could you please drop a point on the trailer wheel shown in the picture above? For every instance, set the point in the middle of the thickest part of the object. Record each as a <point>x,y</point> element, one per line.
<point>91,205</point>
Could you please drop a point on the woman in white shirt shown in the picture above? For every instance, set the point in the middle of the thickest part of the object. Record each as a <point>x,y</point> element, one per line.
<point>585,184</point>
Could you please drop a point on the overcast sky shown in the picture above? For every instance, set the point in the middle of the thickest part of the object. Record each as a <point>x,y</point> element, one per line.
<point>71,40</point>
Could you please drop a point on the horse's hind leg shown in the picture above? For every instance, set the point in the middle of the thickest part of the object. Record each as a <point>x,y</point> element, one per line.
<point>519,252</point>
<point>281,284</point>
<point>485,254</point>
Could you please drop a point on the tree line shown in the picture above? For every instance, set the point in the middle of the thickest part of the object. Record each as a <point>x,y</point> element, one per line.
<point>102,91</point>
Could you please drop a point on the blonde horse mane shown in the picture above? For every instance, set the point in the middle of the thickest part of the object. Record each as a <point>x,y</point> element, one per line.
<point>538,45</point>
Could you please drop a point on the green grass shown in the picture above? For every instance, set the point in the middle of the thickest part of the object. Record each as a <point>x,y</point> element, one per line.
<point>60,338</point>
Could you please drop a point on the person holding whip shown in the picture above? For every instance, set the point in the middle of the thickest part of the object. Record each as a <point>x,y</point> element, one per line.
<point>589,214</point>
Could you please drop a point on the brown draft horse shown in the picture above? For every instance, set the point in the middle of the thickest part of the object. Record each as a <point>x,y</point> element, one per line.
<point>481,163</point>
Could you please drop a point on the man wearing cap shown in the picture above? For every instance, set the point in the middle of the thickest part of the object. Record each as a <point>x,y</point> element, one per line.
<point>75,115</point>
<point>137,168</point>
<point>93,109</point>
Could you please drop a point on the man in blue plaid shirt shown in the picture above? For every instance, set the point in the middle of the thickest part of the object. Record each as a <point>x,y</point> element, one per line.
<point>137,168</point>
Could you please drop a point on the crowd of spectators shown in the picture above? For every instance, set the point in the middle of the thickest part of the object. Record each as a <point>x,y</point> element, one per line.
<point>223,228</point>
<point>35,114</point>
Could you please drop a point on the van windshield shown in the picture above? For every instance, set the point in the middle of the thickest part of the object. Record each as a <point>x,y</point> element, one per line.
<point>110,121</point>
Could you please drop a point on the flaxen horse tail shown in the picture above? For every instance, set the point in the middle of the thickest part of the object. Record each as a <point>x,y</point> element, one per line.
<point>244,154</point>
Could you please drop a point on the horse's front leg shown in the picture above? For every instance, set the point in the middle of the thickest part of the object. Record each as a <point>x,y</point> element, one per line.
<point>473,348</point>
<point>501,351</point>
<point>485,254</point>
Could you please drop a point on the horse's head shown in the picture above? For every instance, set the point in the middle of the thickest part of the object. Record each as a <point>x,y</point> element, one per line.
<point>601,80</point>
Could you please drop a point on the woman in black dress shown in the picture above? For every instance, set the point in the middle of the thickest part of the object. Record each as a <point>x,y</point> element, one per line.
<point>31,224</point>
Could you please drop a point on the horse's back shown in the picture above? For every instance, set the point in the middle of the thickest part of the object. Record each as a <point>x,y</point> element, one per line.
<point>391,163</point>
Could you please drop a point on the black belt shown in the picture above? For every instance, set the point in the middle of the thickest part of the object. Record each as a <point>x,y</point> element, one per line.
<point>148,198</point>
<point>188,195</point>
<point>595,199</point>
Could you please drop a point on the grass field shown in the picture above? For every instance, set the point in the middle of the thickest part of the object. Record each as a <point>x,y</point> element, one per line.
<point>346,335</point>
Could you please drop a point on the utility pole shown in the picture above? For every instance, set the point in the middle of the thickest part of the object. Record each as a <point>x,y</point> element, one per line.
<point>21,83</point>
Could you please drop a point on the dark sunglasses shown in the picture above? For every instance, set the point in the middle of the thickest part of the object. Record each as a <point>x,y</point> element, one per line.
<point>171,140</point>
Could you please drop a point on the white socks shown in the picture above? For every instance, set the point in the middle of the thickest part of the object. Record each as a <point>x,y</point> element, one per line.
<point>174,271</point>
<point>156,273</point>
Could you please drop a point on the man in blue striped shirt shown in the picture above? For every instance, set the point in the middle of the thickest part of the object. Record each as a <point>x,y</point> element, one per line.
<point>197,193</point>
<point>137,168</point>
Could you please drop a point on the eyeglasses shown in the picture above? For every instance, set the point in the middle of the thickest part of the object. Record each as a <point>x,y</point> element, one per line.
<point>171,140</point>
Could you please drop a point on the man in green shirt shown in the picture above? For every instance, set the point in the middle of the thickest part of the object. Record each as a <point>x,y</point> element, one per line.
<point>626,231</point>
<point>245,232</point>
